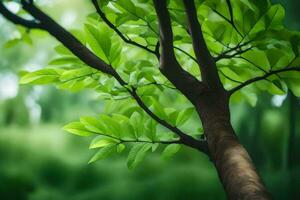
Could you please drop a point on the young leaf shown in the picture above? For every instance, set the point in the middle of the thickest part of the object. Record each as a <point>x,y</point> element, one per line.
<point>93,124</point>
<point>102,153</point>
<point>170,150</point>
<point>183,116</point>
<point>127,130</point>
<point>154,146</point>
<point>136,122</point>
<point>43,76</point>
<point>113,126</point>
<point>137,154</point>
<point>66,60</point>
<point>100,40</point>
<point>158,109</point>
<point>121,148</point>
<point>77,128</point>
<point>99,142</point>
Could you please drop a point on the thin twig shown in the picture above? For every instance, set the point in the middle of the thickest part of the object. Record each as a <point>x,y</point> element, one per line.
<point>121,35</point>
<point>263,77</point>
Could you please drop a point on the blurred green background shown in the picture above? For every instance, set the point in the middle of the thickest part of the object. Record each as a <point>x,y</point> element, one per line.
<point>38,161</point>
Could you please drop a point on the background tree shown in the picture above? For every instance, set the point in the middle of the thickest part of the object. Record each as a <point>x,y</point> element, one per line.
<point>244,51</point>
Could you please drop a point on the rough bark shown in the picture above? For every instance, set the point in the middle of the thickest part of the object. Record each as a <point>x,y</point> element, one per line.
<point>235,168</point>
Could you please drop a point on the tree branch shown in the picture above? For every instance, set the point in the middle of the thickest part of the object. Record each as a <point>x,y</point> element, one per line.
<point>169,66</point>
<point>208,67</point>
<point>89,58</point>
<point>236,48</point>
<point>138,140</point>
<point>230,10</point>
<point>229,78</point>
<point>252,63</point>
<point>231,20</point>
<point>166,33</point>
<point>67,39</point>
<point>184,138</point>
<point>16,19</point>
<point>186,53</point>
<point>128,40</point>
<point>122,36</point>
<point>259,78</point>
<point>227,56</point>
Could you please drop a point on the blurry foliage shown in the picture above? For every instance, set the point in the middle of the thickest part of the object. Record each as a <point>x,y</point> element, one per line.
<point>60,171</point>
<point>14,112</point>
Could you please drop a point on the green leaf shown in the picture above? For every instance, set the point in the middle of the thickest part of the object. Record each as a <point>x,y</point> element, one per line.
<point>94,125</point>
<point>113,126</point>
<point>257,58</point>
<point>43,76</point>
<point>102,153</point>
<point>77,128</point>
<point>99,40</point>
<point>136,122</point>
<point>137,154</point>
<point>275,16</point>
<point>158,109</point>
<point>12,43</point>
<point>172,115</point>
<point>121,148</point>
<point>62,50</point>
<point>127,130</point>
<point>150,126</point>
<point>154,147</point>
<point>76,74</point>
<point>250,97</point>
<point>183,116</point>
<point>170,150</point>
<point>100,141</point>
<point>66,60</point>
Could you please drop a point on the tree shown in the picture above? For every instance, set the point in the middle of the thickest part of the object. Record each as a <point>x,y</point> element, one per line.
<point>209,53</point>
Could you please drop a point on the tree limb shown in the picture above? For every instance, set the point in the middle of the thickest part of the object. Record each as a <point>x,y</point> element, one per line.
<point>237,48</point>
<point>67,39</point>
<point>231,20</point>
<point>138,140</point>
<point>186,53</point>
<point>121,35</point>
<point>228,56</point>
<point>229,78</point>
<point>16,19</point>
<point>230,10</point>
<point>252,63</point>
<point>83,53</point>
<point>166,33</point>
<point>128,40</point>
<point>184,138</point>
<point>169,66</point>
<point>208,67</point>
<point>259,78</point>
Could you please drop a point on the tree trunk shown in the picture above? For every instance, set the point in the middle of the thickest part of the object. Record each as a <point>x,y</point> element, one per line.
<point>235,168</point>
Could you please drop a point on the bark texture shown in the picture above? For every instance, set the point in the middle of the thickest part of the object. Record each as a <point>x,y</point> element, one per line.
<point>235,168</point>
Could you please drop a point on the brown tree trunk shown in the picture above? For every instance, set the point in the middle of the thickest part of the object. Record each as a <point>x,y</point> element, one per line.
<point>235,168</point>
